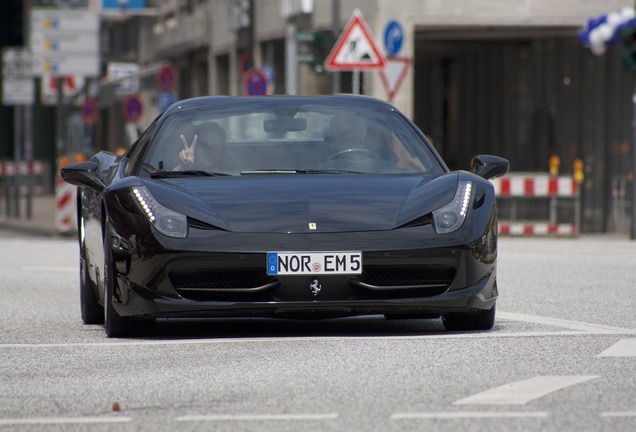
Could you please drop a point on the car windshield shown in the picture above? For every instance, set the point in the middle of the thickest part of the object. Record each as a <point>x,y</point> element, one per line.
<point>244,139</point>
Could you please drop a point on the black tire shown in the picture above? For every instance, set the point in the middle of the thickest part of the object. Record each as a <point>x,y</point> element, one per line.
<point>114,325</point>
<point>92,311</point>
<point>469,321</point>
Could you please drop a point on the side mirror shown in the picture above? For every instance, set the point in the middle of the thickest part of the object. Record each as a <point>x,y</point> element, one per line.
<point>84,174</point>
<point>490,167</point>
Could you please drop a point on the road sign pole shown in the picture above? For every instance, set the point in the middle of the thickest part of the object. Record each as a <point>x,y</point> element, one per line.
<point>291,60</point>
<point>633,221</point>
<point>355,82</point>
<point>335,27</point>
<point>60,119</point>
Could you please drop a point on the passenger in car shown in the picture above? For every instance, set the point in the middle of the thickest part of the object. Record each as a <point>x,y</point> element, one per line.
<point>206,149</point>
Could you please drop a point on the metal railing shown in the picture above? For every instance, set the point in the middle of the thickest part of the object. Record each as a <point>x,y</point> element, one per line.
<point>22,180</point>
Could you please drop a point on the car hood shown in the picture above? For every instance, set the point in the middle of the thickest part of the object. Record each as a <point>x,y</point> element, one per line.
<point>289,203</point>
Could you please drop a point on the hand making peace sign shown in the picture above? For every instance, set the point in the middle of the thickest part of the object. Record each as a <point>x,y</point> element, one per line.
<point>187,154</point>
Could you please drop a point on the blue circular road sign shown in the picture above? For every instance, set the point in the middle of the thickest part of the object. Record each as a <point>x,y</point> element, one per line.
<point>393,38</point>
<point>133,108</point>
<point>255,83</point>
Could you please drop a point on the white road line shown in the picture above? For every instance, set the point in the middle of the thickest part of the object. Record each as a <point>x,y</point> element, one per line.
<point>576,329</point>
<point>63,420</point>
<point>284,339</point>
<point>618,414</point>
<point>571,325</point>
<point>467,415</point>
<point>257,417</point>
<point>524,391</point>
<point>622,348</point>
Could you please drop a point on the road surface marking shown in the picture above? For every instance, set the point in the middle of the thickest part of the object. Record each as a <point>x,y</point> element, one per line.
<point>256,417</point>
<point>622,348</point>
<point>63,420</point>
<point>576,329</point>
<point>524,391</point>
<point>619,414</point>
<point>571,325</point>
<point>467,415</point>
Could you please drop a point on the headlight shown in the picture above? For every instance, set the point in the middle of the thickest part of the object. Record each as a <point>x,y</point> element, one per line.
<point>166,221</point>
<point>452,216</point>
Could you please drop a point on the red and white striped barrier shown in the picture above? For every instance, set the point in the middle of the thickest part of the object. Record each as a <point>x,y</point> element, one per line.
<point>25,174</point>
<point>539,228</point>
<point>537,185</point>
<point>65,203</point>
<point>9,168</point>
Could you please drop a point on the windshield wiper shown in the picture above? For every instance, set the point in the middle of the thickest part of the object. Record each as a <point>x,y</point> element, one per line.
<point>298,171</point>
<point>186,173</point>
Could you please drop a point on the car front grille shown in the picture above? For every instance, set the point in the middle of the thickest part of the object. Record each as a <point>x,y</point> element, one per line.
<point>432,277</point>
<point>215,280</point>
<point>222,286</point>
<point>254,286</point>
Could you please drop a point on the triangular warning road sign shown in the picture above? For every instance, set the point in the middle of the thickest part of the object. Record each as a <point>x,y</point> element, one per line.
<point>396,70</point>
<point>355,49</point>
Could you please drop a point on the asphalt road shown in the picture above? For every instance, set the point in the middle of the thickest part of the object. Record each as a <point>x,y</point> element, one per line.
<point>561,357</point>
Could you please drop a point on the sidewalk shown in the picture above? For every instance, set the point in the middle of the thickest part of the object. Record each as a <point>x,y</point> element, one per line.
<point>42,221</point>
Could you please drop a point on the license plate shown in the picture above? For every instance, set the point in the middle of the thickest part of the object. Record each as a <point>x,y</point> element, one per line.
<point>305,263</point>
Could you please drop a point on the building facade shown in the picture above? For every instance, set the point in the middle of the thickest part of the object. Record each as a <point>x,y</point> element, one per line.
<point>488,76</point>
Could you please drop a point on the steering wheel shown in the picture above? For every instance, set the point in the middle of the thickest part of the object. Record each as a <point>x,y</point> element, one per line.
<point>357,153</point>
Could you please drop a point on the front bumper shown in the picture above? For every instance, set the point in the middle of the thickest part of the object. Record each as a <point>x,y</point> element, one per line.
<point>422,277</point>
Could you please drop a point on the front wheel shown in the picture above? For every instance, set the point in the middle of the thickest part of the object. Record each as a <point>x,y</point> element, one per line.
<point>469,321</point>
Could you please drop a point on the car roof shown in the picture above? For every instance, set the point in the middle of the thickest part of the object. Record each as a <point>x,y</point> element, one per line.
<point>341,100</point>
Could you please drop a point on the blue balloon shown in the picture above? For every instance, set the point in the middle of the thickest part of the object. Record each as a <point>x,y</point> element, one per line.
<point>584,37</point>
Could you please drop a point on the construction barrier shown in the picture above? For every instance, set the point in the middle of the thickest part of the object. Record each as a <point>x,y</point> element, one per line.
<point>65,206</point>
<point>537,204</point>
<point>22,180</point>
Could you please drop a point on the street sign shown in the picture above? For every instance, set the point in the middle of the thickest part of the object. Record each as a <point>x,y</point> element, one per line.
<point>165,100</point>
<point>18,91</point>
<point>133,108</point>
<point>17,84</point>
<point>255,83</point>
<point>71,85</point>
<point>127,5</point>
<point>393,38</point>
<point>64,41</point>
<point>355,48</point>
<point>52,21</point>
<point>167,78</point>
<point>16,63</point>
<point>244,62</point>
<point>270,74</point>
<point>90,110</point>
<point>119,70</point>
<point>393,75</point>
<point>64,65</point>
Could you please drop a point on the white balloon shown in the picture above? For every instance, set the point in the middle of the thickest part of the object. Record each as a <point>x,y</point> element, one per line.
<point>614,19</point>
<point>605,32</point>
<point>627,13</point>
<point>595,37</point>
<point>598,49</point>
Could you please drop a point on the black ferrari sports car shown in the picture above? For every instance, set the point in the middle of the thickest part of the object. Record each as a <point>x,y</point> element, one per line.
<point>285,206</point>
